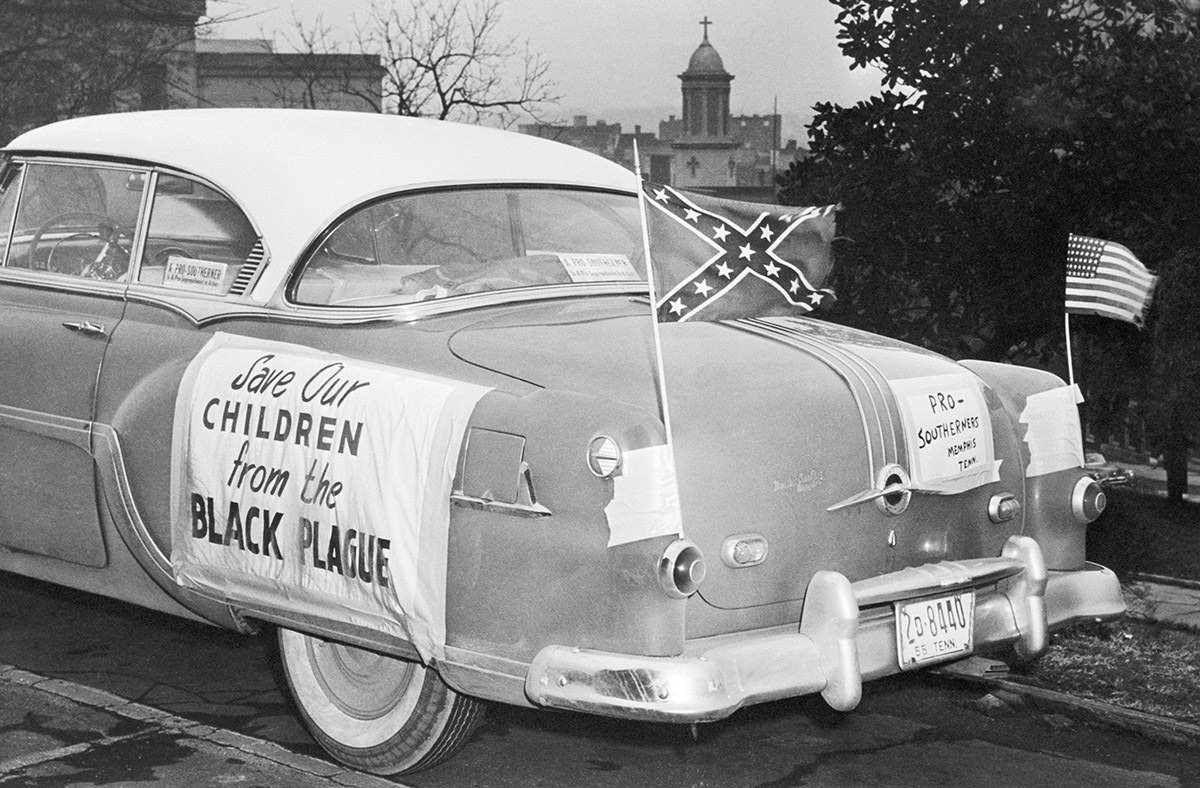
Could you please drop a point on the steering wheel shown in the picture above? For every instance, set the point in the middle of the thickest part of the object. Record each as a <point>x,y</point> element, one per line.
<point>110,261</point>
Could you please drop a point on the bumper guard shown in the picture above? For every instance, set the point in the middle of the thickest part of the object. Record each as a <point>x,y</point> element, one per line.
<point>846,635</point>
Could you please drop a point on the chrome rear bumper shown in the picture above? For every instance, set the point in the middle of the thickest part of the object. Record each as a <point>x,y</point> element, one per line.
<point>837,646</point>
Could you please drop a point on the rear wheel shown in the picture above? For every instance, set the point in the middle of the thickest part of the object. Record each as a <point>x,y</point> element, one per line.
<point>373,712</point>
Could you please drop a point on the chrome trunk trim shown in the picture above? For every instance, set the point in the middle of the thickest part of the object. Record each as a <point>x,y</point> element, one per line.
<point>876,404</point>
<point>927,579</point>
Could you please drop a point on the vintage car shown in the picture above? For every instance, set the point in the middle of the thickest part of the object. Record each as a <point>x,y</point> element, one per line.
<point>389,388</point>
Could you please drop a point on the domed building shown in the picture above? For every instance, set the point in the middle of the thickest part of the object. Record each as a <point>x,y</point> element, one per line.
<point>706,151</point>
<point>706,93</point>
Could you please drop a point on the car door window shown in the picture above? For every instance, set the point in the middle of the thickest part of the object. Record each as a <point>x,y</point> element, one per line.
<point>76,220</point>
<point>10,180</point>
<point>197,240</point>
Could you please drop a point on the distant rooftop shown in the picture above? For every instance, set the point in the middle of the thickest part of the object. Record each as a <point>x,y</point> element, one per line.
<point>230,46</point>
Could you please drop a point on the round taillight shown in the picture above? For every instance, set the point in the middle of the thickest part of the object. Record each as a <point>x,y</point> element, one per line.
<point>681,569</point>
<point>1087,500</point>
<point>604,456</point>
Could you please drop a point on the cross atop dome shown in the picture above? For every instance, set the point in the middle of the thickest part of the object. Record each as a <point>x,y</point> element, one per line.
<point>706,22</point>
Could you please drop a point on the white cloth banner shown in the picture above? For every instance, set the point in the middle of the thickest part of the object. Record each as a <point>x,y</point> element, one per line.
<point>1053,432</point>
<point>318,484</point>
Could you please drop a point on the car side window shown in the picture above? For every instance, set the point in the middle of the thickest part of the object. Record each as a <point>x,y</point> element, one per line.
<point>197,239</point>
<point>10,179</point>
<point>76,220</point>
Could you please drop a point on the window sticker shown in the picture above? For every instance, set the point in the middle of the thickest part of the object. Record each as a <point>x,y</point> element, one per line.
<point>192,274</point>
<point>599,267</point>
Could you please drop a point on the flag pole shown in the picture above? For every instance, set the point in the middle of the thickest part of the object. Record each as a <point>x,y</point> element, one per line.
<point>660,372</point>
<point>1070,363</point>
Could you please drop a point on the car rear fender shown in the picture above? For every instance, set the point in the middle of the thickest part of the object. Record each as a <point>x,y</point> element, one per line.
<point>518,581</point>
<point>1047,499</point>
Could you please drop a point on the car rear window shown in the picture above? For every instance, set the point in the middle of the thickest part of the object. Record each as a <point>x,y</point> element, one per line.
<point>443,244</point>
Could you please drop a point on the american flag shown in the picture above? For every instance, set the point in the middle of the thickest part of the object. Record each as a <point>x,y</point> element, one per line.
<point>1104,278</point>
<point>705,248</point>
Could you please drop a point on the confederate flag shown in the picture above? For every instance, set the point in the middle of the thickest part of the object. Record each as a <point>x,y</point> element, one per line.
<point>717,259</point>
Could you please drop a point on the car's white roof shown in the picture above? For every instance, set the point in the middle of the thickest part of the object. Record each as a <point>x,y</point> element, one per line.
<point>294,171</point>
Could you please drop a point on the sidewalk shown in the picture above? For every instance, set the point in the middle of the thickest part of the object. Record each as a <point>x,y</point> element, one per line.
<point>1164,599</point>
<point>53,730</point>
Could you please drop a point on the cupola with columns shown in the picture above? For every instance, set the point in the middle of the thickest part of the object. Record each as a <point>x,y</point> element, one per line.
<point>706,93</point>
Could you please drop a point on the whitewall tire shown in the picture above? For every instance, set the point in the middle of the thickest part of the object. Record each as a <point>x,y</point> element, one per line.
<point>374,712</point>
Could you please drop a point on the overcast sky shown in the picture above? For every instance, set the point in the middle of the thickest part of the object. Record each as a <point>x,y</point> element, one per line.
<point>619,60</point>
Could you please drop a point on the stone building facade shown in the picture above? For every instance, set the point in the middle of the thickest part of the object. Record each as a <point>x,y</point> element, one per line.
<point>250,73</point>
<point>704,148</point>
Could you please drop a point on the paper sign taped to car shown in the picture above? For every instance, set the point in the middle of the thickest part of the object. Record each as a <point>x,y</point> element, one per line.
<point>947,429</point>
<point>599,267</point>
<point>1053,433</point>
<point>317,484</point>
<point>193,274</point>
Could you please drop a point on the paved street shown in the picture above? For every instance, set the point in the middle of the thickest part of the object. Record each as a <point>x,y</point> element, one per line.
<point>206,711</point>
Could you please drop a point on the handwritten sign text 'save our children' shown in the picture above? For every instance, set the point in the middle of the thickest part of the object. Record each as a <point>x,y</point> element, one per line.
<point>353,553</point>
<point>317,481</point>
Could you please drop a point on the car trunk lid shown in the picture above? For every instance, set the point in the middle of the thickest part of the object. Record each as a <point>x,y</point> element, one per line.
<point>774,421</point>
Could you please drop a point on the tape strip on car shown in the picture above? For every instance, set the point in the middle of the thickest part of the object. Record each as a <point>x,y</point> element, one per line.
<point>645,499</point>
<point>1053,433</point>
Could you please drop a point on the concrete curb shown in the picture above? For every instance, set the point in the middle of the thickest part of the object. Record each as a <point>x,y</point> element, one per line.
<point>1146,577</point>
<point>1094,712</point>
<point>248,746</point>
<point>1149,726</point>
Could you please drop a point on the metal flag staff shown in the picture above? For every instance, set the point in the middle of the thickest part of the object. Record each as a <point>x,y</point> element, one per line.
<point>660,372</point>
<point>1070,363</point>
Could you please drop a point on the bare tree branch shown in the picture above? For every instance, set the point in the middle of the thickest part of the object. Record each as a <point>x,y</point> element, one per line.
<point>448,61</point>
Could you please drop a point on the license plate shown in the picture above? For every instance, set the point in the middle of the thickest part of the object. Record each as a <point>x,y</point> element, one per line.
<point>934,629</point>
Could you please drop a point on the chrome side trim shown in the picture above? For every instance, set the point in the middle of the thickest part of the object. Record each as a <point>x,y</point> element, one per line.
<point>358,636</point>
<point>110,463</point>
<point>73,431</point>
<point>499,507</point>
<point>12,222</point>
<point>76,285</point>
<point>204,311</point>
<point>118,499</point>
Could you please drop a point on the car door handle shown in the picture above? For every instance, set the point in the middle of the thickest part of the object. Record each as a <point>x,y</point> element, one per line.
<point>91,329</point>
